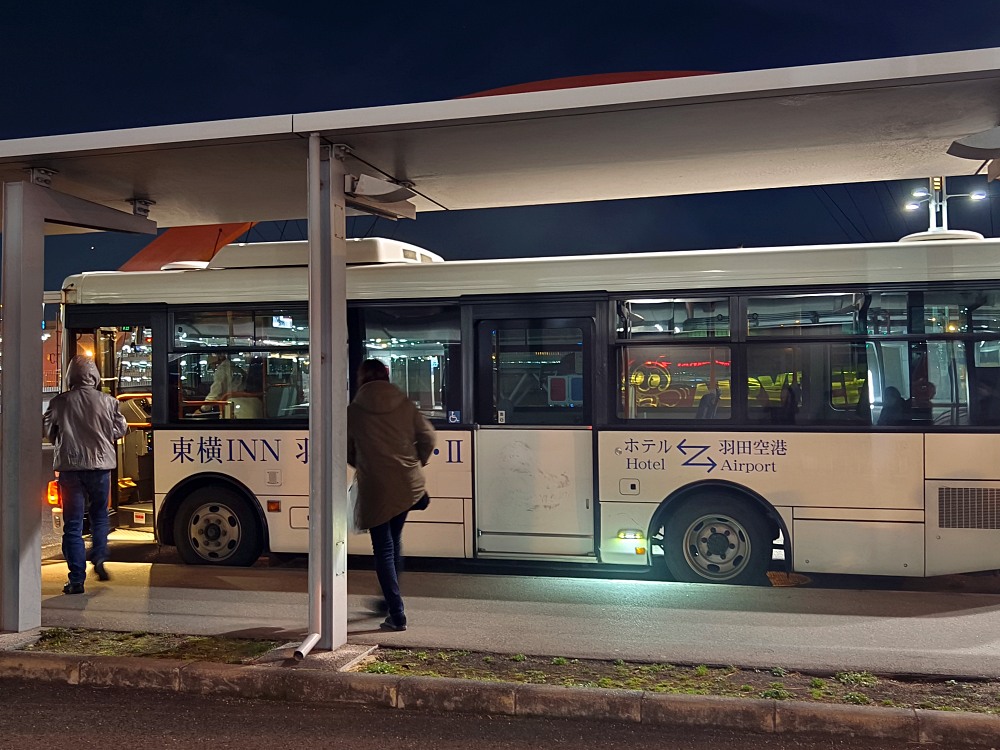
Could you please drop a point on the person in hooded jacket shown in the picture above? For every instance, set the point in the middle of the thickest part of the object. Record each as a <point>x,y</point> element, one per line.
<point>388,443</point>
<point>83,424</point>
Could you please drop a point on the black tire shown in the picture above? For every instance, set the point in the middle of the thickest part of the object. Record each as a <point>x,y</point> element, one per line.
<point>717,539</point>
<point>215,525</point>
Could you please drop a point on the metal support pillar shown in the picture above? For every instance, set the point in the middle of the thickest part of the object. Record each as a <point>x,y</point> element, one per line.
<point>327,400</point>
<point>26,208</point>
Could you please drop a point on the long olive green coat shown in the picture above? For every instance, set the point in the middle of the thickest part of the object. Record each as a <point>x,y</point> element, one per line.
<point>388,443</point>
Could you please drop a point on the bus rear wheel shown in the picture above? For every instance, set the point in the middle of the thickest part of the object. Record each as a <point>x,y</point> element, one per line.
<point>215,526</point>
<point>717,540</point>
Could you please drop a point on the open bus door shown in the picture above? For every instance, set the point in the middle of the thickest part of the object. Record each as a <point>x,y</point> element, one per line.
<point>534,492</point>
<point>123,353</point>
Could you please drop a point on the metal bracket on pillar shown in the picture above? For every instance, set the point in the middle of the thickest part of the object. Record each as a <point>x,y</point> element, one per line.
<point>141,206</point>
<point>41,176</point>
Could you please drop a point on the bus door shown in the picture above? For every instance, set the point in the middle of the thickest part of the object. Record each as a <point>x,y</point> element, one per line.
<point>534,491</point>
<point>123,353</point>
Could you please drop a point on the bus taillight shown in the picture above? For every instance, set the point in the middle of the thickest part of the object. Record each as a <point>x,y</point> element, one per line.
<point>52,494</point>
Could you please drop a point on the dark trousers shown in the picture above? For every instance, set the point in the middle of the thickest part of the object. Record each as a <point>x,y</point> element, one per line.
<point>85,490</point>
<point>387,546</point>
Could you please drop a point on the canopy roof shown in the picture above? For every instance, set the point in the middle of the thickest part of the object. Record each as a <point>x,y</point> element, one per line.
<point>842,122</point>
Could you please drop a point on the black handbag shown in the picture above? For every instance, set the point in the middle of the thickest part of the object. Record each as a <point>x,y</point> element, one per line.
<point>422,503</point>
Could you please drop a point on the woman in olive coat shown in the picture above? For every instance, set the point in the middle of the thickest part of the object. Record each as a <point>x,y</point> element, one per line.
<point>388,444</point>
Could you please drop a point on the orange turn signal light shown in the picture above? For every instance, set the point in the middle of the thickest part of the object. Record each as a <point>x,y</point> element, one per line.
<point>52,494</point>
<point>273,506</point>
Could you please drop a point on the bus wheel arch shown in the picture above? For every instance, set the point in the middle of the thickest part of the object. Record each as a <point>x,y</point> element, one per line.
<point>717,532</point>
<point>213,520</point>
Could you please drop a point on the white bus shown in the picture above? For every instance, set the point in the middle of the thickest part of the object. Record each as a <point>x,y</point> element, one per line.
<point>698,412</point>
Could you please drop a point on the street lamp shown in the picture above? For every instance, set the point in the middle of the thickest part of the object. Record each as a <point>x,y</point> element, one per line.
<point>937,198</point>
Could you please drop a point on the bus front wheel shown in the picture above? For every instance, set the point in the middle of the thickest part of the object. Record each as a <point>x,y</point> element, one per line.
<point>717,540</point>
<point>215,526</point>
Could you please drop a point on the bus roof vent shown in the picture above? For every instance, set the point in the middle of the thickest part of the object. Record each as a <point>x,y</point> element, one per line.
<point>366,251</point>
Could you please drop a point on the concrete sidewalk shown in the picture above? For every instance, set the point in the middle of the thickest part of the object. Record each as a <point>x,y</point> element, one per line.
<point>803,629</point>
<point>814,630</point>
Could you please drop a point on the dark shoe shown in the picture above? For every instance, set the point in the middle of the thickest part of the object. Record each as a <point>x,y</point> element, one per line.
<point>389,624</point>
<point>77,588</point>
<point>378,605</point>
<point>102,574</point>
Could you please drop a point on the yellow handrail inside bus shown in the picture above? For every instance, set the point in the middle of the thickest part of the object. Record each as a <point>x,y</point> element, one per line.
<point>135,397</point>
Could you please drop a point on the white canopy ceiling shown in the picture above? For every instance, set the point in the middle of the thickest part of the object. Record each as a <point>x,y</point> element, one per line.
<point>843,122</point>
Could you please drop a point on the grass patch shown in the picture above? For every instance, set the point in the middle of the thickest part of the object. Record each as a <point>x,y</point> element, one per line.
<point>153,645</point>
<point>856,679</point>
<point>856,688</point>
<point>777,691</point>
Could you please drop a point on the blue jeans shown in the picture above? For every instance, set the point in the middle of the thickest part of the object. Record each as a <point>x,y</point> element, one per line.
<point>85,490</point>
<point>387,546</point>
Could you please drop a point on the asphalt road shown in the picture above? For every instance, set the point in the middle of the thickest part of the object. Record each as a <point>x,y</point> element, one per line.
<point>41,716</point>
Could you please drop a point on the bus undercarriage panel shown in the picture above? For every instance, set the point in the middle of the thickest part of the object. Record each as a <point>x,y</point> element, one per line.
<point>863,547</point>
<point>963,526</point>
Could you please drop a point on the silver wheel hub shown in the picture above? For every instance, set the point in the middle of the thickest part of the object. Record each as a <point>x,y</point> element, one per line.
<point>717,547</point>
<point>214,531</point>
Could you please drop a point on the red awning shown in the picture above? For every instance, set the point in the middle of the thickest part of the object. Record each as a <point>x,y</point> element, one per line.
<point>185,243</point>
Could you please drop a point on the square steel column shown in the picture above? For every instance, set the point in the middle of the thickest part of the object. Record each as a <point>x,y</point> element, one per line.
<point>328,394</point>
<point>26,208</point>
<point>23,273</point>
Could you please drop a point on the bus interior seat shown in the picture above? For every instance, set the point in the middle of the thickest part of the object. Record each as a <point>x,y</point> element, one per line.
<point>246,406</point>
<point>280,399</point>
<point>708,405</point>
<point>254,381</point>
<point>248,395</point>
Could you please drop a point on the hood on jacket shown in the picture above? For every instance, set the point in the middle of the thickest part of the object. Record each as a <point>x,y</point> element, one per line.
<point>379,397</point>
<point>82,372</point>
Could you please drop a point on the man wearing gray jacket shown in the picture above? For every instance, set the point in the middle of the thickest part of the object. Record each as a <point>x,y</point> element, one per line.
<point>83,424</point>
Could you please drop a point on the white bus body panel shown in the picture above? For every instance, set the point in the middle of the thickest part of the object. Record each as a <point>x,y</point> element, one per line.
<point>695,269</point>
<point>829,486</point>
<point>534,492</point>
<point>273,464</point>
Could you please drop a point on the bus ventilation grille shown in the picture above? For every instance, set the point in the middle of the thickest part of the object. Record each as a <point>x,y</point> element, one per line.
<point>968,508</point>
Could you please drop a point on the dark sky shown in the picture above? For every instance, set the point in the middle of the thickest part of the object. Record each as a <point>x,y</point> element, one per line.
<point>71,67</point>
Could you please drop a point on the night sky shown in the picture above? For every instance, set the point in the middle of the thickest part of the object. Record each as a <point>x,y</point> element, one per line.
<point>73,67</point>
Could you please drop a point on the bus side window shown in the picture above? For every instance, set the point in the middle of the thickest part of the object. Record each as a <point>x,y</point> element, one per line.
<point>675,382</point>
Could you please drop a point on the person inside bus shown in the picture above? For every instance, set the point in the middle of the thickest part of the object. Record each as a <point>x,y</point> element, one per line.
<point>986,402</point>
<point>83,424</point>
<point>922,393</point>
<point>784,412</point>
<point>388,443</point>
<point>895,410</point>
<point>228,385</point>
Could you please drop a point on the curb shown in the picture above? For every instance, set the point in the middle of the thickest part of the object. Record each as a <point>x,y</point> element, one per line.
<point>504,698</point>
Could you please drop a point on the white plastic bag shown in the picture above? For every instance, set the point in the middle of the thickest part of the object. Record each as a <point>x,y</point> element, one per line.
<point>353,508</point>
